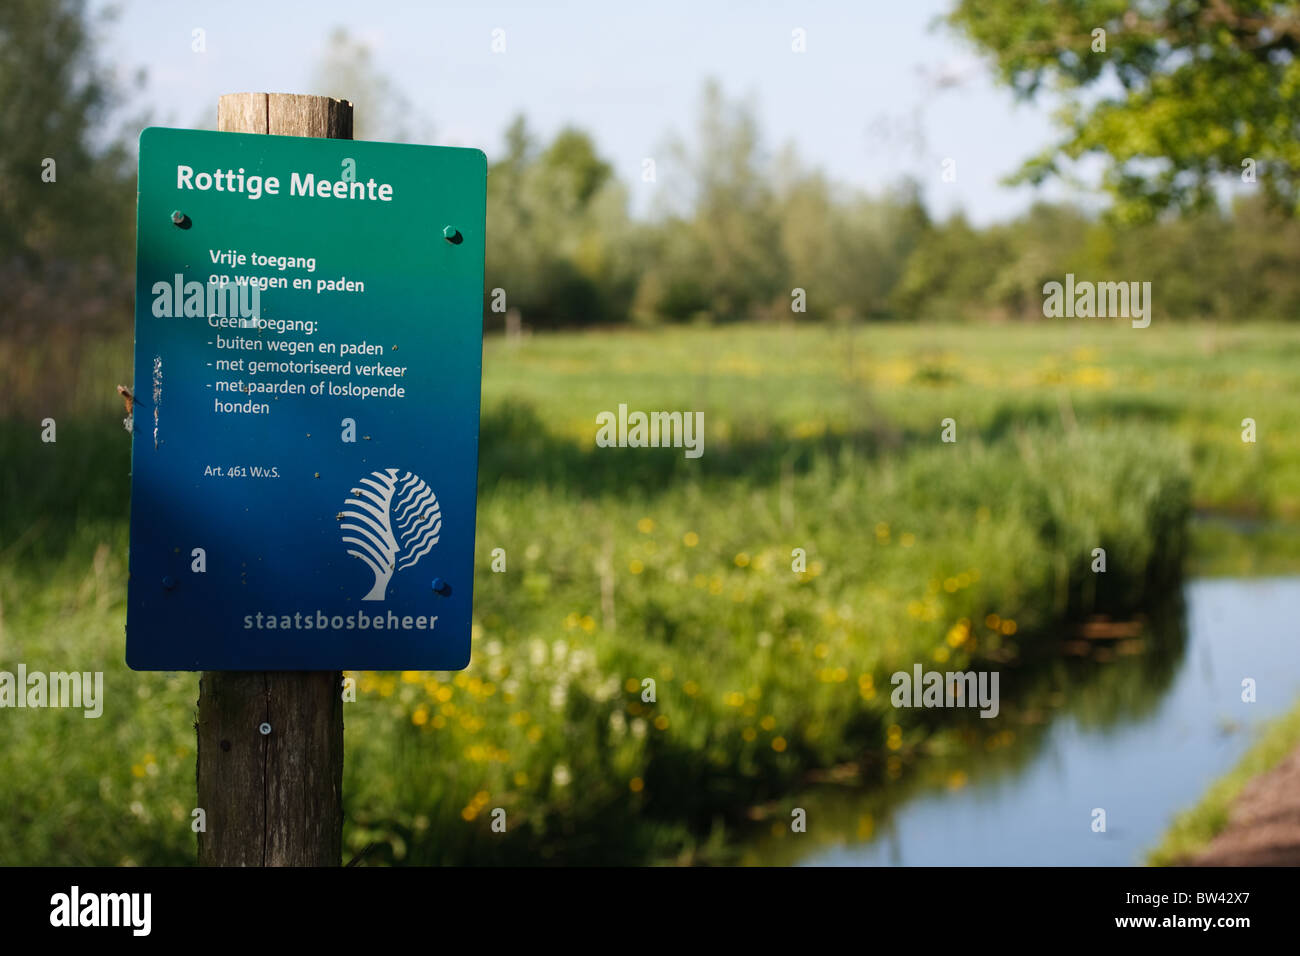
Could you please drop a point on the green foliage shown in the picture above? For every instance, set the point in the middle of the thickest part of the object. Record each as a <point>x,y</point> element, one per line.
<point>949,271</point>
<point>847,251</point>
<point>64,249</point>
<point>1183,92</point>
<point>761,673</point>
<point>733,223</point>
<point>559,241</point>
<point>1233,265</point>
<point>746,231</point>
<point>56,97</point>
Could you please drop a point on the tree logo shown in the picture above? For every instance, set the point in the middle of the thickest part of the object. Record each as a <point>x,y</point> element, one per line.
<point>391,523</point>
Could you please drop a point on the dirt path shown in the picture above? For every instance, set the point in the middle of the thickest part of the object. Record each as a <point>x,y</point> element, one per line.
<point>1263,823</point>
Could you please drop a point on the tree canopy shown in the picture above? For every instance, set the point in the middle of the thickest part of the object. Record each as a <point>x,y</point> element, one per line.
<point>1175,96</point>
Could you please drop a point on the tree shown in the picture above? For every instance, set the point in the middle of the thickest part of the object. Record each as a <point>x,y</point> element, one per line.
<point>948,275</point>
<point>67,197</point>
<point>1042,246</point>
<point>845,249</point>
<point>718,248</point>
<point>61,196</point>
<point>559,241</point>
<point>1181,93</point>
<point>571,162</point>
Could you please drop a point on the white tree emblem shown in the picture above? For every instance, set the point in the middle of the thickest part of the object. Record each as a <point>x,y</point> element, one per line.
<point>392,523</point>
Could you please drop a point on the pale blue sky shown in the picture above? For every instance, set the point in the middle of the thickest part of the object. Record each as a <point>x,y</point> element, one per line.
<point>862,103</point>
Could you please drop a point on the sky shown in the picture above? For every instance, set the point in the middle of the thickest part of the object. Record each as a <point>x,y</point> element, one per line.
<point>880,92</point>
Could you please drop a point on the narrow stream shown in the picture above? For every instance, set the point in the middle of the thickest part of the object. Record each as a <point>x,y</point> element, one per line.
<point>1144,742</point>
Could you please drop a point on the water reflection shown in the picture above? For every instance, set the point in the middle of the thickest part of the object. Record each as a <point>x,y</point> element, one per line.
<point>1137,726</point>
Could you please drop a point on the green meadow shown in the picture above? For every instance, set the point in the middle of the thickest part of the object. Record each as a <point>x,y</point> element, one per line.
<point>761,594</point>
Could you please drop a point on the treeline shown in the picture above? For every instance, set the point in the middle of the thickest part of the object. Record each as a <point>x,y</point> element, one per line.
<point>735,233</point>
<point>732,230</point>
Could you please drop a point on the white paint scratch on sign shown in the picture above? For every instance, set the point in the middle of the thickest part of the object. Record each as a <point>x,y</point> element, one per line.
<point>157,396</point>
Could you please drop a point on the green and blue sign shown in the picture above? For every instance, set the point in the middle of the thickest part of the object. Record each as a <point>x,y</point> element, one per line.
<point>308,359</point>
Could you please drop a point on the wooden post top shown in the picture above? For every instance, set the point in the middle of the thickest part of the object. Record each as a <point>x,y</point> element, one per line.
<point>285,114</point>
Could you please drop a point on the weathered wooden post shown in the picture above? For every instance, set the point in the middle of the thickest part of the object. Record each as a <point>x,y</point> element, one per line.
<point>270,745</point>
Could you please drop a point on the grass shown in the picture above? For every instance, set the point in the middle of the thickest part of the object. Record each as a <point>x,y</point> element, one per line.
<point>625,566</point>
<point>1193,829</point>
<point>883,387</point>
